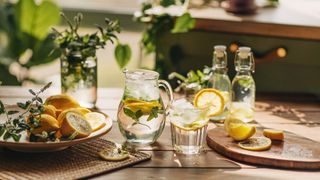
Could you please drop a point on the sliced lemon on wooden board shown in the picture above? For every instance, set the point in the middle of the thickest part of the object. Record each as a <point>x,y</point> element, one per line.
<point>96,120</point>
<point>210,98</point>
<point>256,144</point>
<point>273,134</point>
<point>114,154</point>
<point>76,125</point>
<point>240,132</point>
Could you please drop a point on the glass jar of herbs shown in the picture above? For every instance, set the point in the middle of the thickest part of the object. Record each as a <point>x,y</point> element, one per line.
<point>79,78</point>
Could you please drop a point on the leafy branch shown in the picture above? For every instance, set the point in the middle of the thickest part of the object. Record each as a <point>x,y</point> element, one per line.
<point>193,79</point>
<point>138,114</point>
<point>71,42</point>
<point>157,23</point>
<point>33,108</point>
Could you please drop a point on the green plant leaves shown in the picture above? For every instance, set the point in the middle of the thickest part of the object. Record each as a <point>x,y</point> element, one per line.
<point>36,20</point>
<point>123,54</point>
<point>183,23</point>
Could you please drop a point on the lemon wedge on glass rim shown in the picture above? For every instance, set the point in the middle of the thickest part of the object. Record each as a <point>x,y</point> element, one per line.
<point>210,98</point>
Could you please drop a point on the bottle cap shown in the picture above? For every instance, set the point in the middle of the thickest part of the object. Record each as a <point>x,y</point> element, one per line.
<point>220,48</point>
<point>244,52</point>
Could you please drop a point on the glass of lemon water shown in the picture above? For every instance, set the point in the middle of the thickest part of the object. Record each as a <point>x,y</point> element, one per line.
<point>188,126</point>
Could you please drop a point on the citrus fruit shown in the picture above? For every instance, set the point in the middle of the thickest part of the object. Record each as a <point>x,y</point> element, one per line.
<point>256,144</point>
<point>190,127</point>
<point>210,98</point>
<point>231,120</point>
<point>145,106</point>
<point>114,154</point>
<point>240,132</point>
<point>62,102</point>
<point>75,124</point>
<point>47,124</point>
<point>273,134</point>
<point>79,110</point>
<point>96,120</point>
<point>50,110</point>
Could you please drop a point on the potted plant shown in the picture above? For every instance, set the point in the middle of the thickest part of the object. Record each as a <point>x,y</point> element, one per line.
<point>79,61</point>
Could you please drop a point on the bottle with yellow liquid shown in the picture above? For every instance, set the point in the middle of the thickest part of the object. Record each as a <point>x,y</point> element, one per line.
<point>220,79</point>
<point>243,86</point>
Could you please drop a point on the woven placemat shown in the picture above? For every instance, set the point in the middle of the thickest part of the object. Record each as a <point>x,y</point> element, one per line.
<point>75,162</point>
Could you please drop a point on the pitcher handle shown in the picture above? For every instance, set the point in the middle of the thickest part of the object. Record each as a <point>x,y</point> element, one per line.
<point>168,89</point>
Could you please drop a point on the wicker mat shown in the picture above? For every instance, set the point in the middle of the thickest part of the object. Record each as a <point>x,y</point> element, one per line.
<point>75,162</point>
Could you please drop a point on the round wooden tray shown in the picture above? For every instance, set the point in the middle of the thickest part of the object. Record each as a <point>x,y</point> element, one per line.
<point>295,152</point>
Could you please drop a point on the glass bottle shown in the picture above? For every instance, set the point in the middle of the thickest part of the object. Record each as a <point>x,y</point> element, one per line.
<point>79,78</point>
<point>220,79</point>
<point>243,86</point>
<point>141,113</point>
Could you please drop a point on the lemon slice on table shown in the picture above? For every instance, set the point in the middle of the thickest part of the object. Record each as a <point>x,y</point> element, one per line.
<point>273,134</point>
<point>210,98</point>
<point>96,120</point>
<point>75,125</point>
<point>114,154</point>
<point>241,131</point>
<point>256,144</point>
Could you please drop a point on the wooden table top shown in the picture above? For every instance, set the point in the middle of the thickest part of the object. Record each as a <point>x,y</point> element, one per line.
<point>299,115</point>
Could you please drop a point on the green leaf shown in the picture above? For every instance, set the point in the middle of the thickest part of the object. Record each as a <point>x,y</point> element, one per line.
<point>129,113</point>
<point>2,108</point>
<point>139,113</point>
<point>6,136</point>
<point>12,112</point>
<point>36,20</point>
<point>183,23</point>
<point>2,130</point>
<point>21,105</point>
<point>32,92</point>
<point>122,54</point>
<point>153,114</point>
<point>16,137</point>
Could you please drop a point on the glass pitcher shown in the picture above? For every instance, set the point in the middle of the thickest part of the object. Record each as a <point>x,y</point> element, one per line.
<point>141,113</point>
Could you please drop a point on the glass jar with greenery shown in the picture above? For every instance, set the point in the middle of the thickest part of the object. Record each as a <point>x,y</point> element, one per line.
<point>79,61</point>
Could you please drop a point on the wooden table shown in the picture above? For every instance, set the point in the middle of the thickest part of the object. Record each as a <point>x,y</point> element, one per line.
<point>300,115</point>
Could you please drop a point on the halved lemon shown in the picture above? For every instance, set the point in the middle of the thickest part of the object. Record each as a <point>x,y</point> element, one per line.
<point>144,106</point>
<point>240,132</point>
<point>256,144</point>
<point>231,120</point>
<point>75,125</point>
<point>62,102</point>
<point>273,134</point>
<point>96,120</point>
<point>210,98</point>
<point>79,110</point>
<point>114,154</point>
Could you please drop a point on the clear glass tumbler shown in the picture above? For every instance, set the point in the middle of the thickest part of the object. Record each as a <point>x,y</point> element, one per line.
<point>188,127</point>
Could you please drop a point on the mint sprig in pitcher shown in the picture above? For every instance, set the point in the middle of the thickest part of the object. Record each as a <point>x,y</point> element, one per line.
<point>142,113</point>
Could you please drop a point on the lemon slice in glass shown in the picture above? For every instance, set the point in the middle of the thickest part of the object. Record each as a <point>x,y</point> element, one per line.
<point>210,98</point>
<point>96,120</point>
<point>256,144</point>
